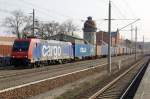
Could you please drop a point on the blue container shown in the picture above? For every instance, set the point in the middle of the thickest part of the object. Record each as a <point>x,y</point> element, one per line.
<point>104,50</point>
<point>92,50</point>
<point>82,50</point>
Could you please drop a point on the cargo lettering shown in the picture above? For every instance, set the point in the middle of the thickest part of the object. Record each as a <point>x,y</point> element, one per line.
<point>83,50</point>
<point>54,51</point>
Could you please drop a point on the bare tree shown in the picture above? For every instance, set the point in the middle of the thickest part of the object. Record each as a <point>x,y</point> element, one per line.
<point>28,26</point>
<point>16,22</point>
<point>41,31</point>
<point>47,29</point>
<point>68,27</point>
<point>52,28</point>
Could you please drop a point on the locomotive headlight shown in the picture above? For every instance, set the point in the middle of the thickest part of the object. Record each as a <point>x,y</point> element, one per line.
<point>26,56</point>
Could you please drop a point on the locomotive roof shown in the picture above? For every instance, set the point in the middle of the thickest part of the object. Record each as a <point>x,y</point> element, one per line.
<point>29,39</point>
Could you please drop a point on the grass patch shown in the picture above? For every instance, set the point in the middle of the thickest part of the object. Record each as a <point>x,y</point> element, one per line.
<point>82,88</point>
<point>73,93</point>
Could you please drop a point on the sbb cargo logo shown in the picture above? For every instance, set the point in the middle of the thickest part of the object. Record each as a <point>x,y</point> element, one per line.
<point>83,50</point>
<point>54,51</point>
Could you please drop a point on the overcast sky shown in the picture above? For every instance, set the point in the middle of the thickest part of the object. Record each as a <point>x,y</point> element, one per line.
<point>78,10</point>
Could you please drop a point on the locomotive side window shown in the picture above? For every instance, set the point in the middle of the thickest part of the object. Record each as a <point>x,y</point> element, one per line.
<point>36,45</point>
<point>21,46</point>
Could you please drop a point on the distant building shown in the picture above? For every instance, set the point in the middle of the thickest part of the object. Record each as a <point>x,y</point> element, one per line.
<point>90,31</point>
<point>104,36</point>
<point>68,38</point>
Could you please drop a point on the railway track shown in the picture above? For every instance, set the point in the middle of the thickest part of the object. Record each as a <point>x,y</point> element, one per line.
<point>27,77</point>
<point>22,77</point>
<point>115,88</point>
<point>11,73</point>
<point>10,86</point>
<point>50,68</point>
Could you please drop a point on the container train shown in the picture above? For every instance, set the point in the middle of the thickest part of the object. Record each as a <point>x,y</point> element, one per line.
<point>34,52</point>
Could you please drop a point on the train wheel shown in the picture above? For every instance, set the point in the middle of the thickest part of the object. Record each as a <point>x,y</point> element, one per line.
<point>16,65</point>
<point>36,64</point>
<point>64,61</point>
<point>60,61</point>
<point>42,64</point>
<point>31,65</point>
<point>39,64</point>
<point>49,62</point>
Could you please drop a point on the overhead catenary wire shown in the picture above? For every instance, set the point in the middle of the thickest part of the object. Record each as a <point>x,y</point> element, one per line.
<point>37,10</point>
<point>27,5</point>
<point>119,11</point>
<point>129,8</point>
<point>122,17</point>
<point>45,9</point>
<point>59,15</point>
<point>122,14</point>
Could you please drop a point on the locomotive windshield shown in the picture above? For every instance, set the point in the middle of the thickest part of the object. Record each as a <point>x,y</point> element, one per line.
<point>21,46</point>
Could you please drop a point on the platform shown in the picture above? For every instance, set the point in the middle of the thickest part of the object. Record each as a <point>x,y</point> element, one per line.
<point>143,91</point>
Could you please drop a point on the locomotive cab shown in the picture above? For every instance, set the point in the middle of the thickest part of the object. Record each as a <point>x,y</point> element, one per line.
<point>20,51</point>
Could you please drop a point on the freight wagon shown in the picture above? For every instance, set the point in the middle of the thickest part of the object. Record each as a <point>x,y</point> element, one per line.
<point>5,52</point>
<point>98,51</point>
<point>5,49</point>
<point>120,52</point>
<point>81,51</point>
<point>128,51</point>
<point>84,51</point>
<point>112,51</point>
<point>104,51</point>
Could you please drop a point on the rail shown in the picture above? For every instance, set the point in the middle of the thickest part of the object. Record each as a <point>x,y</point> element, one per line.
<point>132,88</point>
<point>112,83</point>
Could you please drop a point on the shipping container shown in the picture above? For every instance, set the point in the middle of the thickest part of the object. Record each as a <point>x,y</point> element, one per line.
<point>5,53</point>
<point>92,50</point>
<point>112,51</point>
<point>82,50</point>
<point>5,50</point>
<point>116,50</point>
<point>120,50</point>
<point>98,51</point>
<point>104,50</point>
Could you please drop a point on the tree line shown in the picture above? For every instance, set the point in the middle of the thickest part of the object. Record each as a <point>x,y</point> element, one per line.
<point>22,26</point>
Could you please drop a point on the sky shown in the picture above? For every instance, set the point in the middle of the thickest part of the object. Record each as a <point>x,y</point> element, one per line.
<point>79,10</point>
